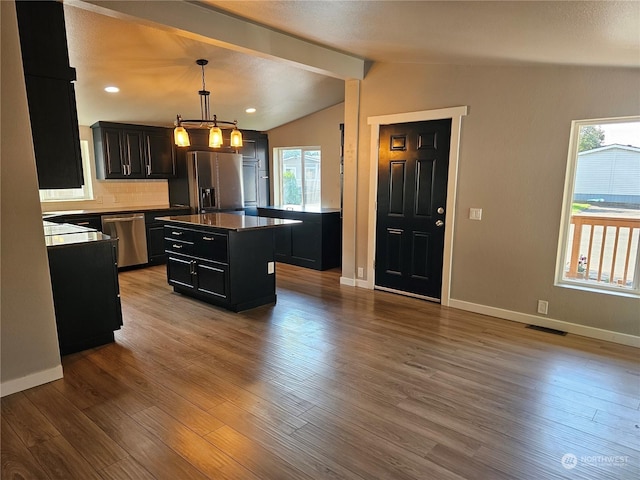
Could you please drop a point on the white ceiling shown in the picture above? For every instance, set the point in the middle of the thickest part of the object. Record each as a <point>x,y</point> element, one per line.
<point>154,65</point>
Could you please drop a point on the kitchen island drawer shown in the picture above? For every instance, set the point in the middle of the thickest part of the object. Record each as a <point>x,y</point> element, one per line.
<point>211,246</point>
<point>178,246</point>
<point>177,233</point>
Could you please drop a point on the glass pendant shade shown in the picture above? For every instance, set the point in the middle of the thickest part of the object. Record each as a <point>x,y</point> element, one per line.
<point>236,138</point>
<point>181,137</point>
<point>215,137</point>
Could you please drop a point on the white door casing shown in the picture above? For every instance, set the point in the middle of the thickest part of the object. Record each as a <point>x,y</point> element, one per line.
<point>455,114</point>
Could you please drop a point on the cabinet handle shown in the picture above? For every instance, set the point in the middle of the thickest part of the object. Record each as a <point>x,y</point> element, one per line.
<point>211,239</point>
<point>177,247</point>
<point>193,268</point>
<point>177,234</point>
<point>265,177</point>
<point>148,169</point>
<point>82,223</point>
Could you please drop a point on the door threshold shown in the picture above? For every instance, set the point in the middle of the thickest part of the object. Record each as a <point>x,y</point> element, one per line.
<point>406,294</point>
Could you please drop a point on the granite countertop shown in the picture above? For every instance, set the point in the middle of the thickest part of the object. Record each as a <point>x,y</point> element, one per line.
<point>228,221</point>
<point>90,211</point>
<point>302,209</point>
<point>51,228</point>
<point>75,238</point>
<point>60,234</point>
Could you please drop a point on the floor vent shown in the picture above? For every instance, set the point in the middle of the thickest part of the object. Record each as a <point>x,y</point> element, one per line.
<point>547,330</point>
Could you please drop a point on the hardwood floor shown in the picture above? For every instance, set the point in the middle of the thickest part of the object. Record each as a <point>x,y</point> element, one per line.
<point>333,382</point>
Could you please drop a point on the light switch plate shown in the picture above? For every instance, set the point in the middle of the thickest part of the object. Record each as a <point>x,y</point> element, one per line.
<point>475,214</point>
<point>271,267</point>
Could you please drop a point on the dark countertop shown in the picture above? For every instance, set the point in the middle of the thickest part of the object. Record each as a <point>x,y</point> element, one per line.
<point>51,228</point>
<point>106,211</point>
<point>302,209</point>
<point>228,221</point>
<point>75,238</point>
<point>60,234</point>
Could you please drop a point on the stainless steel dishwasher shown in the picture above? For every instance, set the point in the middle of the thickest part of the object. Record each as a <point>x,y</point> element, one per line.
<point>129,229</point>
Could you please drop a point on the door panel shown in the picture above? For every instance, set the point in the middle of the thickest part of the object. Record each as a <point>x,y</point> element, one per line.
<point>396,187</point>
<point>412,187</point>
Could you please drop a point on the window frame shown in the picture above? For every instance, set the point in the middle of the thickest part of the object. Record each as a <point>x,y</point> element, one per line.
<point>279,169</point>
<point>566,214</point>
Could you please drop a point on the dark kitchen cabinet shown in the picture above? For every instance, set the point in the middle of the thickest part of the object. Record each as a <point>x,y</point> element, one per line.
<point>255,169</point>
<point>124,151</point>
<point>227,268</point>
<point>314,243</point>
<point>86,293</point>
<point>155,233</point>
<point>50,94</point>
<point>86,220</point>
<point>160,152</point>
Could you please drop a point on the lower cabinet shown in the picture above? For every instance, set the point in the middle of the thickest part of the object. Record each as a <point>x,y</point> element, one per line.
<point>155,233</point>
<point>314,243</point>
<point>88,220</point>
<point>86,294</point>
<point>205,277</point>
<point>229,268</point>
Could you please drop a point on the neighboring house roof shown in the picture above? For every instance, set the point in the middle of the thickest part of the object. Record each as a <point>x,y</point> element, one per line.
<point>609,147</point>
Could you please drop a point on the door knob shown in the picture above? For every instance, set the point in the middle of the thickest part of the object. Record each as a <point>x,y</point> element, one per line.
<point>439,223</point>
<point>440,210</point>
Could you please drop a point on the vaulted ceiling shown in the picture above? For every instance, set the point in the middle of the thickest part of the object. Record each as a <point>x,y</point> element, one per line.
<point>294,66</point>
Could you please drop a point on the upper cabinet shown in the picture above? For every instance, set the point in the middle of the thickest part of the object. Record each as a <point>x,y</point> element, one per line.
<point>50,94</point>
<point>126,151</point>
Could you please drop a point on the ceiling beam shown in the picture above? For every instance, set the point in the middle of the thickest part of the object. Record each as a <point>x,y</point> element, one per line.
<point>201,22</point>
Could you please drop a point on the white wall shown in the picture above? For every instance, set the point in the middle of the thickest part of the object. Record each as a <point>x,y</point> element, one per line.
<point>513,155</point>
<point>319,129</point>
<point>30,354</point>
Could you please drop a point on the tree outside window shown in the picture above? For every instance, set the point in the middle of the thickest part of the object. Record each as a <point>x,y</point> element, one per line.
<point>298,171</point>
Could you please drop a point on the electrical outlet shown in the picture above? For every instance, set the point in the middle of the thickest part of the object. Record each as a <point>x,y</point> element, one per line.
<point>543,307</point>
<point>360,272</point>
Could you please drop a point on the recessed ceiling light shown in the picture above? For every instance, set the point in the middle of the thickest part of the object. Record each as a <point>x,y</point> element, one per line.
<point>112,89</point>
<point>250,110</point>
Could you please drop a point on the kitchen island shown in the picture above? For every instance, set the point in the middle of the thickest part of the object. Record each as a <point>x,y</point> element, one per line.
<point>224,259</point>
<point>84,281</point>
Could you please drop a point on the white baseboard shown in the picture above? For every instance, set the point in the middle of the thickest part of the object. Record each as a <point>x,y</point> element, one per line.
<point>585,331</point>
<point>355,283</point>
<point>23,383</point>
<point>347,281</point>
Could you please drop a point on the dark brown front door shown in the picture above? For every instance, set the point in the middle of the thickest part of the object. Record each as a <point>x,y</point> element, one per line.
<point>412,193</point>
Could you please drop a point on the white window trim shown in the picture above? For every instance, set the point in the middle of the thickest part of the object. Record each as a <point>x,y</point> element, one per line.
<point>278,169</point>
<point>565,218</point>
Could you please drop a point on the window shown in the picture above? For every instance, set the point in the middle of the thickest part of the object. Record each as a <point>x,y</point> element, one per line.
<point>65,194</point>
<point>297,172</point>
<point>600,231</point>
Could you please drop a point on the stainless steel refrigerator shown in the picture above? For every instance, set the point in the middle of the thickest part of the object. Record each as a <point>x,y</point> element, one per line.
<point>215,182</point>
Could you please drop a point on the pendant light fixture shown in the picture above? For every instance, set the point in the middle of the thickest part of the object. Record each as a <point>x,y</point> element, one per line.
<point>180,134</point>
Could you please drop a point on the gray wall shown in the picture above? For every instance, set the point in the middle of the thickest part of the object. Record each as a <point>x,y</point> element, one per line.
<point>513,157</point>
<point>320,129</point>
<point>30,352</point>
